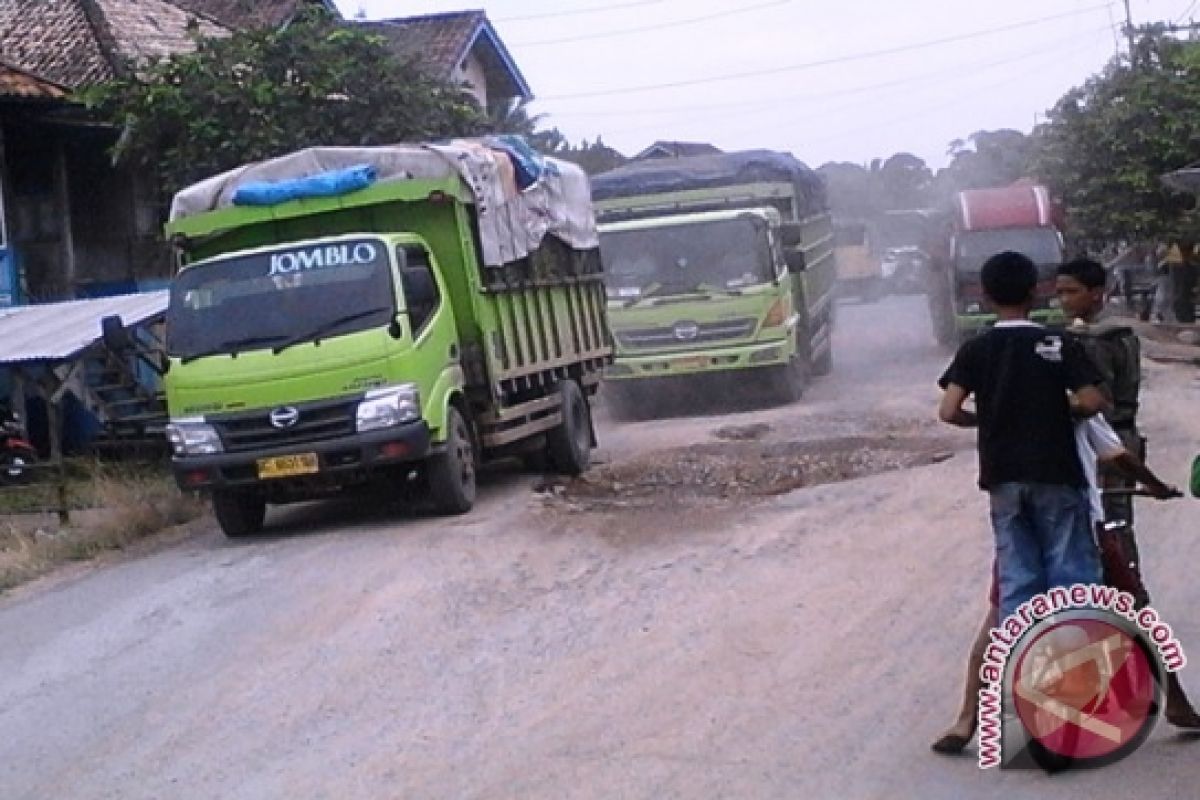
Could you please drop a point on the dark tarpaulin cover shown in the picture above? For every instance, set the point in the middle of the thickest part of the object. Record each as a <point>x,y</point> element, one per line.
<point>656,175</point>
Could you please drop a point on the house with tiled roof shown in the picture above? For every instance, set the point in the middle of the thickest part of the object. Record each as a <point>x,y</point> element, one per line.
<point>665,149</point>
<point>72,224</point>
<point>245,15</point>
<point>461,46</point>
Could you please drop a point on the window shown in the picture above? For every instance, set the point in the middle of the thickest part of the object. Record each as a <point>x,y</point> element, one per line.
<point>420,288</point>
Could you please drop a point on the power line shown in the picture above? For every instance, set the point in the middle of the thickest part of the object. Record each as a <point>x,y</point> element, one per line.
<point>1037,58</point>
<point>829,61</point>
<point>577,11</point>
<point>918,113</point>
<point>1186,11</point>
<point>655,27</point>
<point>957,69</point>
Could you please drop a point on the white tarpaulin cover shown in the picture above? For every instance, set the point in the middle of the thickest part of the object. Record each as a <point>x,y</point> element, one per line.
<point>512,222</point>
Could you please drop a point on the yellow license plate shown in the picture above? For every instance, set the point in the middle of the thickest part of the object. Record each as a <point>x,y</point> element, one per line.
<point>694,362</point>
<point>286,466</point>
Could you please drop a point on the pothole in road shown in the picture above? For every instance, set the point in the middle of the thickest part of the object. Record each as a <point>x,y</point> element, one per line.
<point>740,470</point>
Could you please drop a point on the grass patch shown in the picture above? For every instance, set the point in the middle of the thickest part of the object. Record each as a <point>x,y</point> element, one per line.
<point>40,494</point>
<point>125,503</point>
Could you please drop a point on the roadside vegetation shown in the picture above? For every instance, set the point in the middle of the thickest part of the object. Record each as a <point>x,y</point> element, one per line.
<point>111,507</point>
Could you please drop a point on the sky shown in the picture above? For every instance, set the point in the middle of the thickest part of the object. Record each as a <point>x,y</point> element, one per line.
<point>828,80</point>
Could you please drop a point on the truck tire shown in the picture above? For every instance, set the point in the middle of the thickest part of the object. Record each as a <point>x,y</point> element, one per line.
<point>787,382</point>
<point>452,471</point>
<point>239,513</point>
<point>823,365</point>
<point>569,446</point>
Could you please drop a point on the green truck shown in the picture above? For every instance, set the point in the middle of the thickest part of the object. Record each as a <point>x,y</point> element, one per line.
<point>718,267</point>
<point>431,314</point>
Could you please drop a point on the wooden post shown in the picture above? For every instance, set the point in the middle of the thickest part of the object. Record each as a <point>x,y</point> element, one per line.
<point>63,190</point>
<point>56,454</point>
<point>50,387</point>
<point>18,397</point>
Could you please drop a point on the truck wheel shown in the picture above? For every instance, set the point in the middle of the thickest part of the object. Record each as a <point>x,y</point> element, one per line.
<point>239,513</point>
<point>824,363</point>
<point>788,381</point>
<point>452,472</point>
<point>569,446</point>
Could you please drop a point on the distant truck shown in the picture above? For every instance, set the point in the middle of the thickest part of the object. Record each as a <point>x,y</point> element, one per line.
<point>859,260</point>
<point>398,332</point>
<point>981,223</point>
<point>717,266</point>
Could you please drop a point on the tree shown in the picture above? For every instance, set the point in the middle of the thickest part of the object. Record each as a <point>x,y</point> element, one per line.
<point>904,181</point>
<point>851,190</point>
<point>856,192</point>
<point>260,94</point>
<point>1106,144</point>
<point>594,157</point>
<point>986,159</point>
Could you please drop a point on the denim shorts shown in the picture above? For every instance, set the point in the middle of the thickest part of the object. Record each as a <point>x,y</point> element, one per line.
<point>1043,539</point>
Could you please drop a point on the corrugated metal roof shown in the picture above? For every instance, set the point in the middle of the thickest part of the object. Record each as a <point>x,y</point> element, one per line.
<point>1184,180</point>
<point>58,331</point>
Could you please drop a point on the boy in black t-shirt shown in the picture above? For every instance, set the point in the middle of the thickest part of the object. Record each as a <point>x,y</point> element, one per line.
<point>1020,374</point>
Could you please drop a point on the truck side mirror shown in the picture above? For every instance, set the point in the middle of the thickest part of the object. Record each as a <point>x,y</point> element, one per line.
<point>114,334</point>
<point>794,260</point>
<point>791,234</point>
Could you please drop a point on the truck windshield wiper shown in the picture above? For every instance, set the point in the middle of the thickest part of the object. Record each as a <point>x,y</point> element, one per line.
<point>230,346</point>
<point>708,287</point>
<point>326,327</point>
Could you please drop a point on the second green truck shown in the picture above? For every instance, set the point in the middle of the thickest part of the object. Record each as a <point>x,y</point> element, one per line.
<point>717,267</point>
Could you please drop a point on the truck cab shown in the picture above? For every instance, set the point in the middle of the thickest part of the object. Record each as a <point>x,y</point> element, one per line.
<point>1021,218</point>
<point>720,269</point>
<point>696,294</point>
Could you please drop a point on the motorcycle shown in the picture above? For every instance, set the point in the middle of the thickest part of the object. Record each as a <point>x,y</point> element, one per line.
<point>16,453</point>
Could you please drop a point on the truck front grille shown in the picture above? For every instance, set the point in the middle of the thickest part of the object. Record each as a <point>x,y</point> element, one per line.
<point>315,422</point>
<point>670,336</point>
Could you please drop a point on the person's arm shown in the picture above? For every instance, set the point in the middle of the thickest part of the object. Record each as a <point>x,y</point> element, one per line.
<point>1108,448</point>
<point>957,384</point>
<point>1088,401</point>
<point>951,411</point>
<point>1132,466</point>
<point>1084,380</point>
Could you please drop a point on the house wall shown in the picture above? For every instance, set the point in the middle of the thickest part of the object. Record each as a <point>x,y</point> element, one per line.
<point>471,72</point>
<point>80,227</point>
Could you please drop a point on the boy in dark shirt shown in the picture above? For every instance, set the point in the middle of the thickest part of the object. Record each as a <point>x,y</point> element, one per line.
<point>1020,374</point>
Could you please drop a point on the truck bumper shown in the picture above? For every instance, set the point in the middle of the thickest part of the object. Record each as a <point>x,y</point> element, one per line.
<point>724,359</point>
<point>339,461</point>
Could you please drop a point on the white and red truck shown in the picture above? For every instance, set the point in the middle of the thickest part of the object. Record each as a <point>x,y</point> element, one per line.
<point>1021,217</point>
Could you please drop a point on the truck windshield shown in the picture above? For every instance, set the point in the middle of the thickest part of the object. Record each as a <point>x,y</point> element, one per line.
<point>724,255</point>
<point>279,297</point>
<point>1042,245</point>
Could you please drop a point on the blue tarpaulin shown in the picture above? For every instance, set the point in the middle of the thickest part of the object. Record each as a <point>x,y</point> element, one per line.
<point>325,184</point>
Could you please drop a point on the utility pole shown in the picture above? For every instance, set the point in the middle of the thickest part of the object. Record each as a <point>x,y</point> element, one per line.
<point>1129,33</point>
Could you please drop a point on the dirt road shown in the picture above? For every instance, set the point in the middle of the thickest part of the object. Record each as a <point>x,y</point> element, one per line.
<point>761,627</point>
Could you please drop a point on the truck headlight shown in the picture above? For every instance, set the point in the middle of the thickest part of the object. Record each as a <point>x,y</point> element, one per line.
<point>193,437</point>
<point>388,407</point>
<point>973,308</point>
